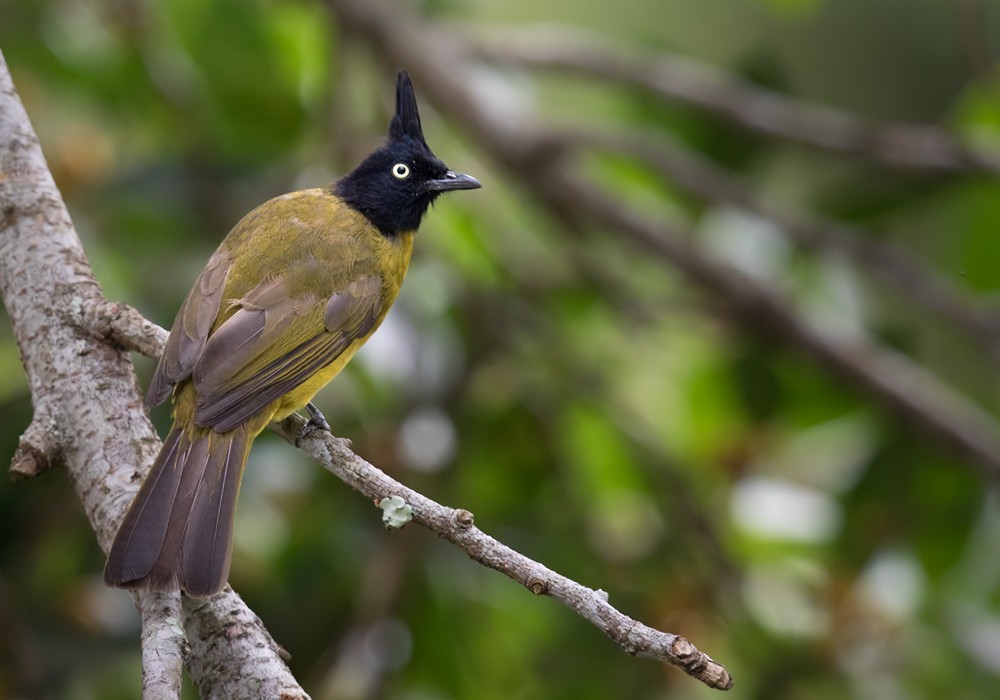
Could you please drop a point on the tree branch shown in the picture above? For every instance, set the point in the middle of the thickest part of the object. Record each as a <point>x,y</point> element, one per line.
<point>35,449</point>
<point>88,410</point>
<point>757,109</point>
<point>119,323</point>
<point>232,653</point>
<point>456,526</point>
<point>163,645</point>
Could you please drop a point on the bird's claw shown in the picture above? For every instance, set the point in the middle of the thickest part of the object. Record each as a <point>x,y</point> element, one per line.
<point>317,422</point>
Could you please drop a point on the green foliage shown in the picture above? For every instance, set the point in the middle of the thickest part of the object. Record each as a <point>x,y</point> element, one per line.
<point>607,418</point>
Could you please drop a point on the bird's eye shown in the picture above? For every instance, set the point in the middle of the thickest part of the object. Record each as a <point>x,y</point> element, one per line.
<point>401,171</point>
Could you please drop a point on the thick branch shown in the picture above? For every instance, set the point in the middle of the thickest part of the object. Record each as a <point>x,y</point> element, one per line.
<point>121,324</point>
<point>917,146</point>
<point>913,394</point>
<point>88,411</point>
<point>163,645</point>
<point>232,653</point>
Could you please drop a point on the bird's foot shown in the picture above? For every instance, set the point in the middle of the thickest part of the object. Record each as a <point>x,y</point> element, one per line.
<point>317,422</point>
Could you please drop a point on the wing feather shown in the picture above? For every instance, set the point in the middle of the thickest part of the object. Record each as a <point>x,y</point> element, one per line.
<point>191,328</point>
<point>273,344</point>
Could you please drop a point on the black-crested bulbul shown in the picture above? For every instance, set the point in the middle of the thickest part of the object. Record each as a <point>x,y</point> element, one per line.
<point>290,295</point>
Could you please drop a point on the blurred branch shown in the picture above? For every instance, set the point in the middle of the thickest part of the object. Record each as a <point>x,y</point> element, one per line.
<point>913,393</point>
<point>457,527</point>
<point>88,412</point>
<point>436,61</point>
<point>901,273</point>
<point>757,109</point>
<point>974,39</point>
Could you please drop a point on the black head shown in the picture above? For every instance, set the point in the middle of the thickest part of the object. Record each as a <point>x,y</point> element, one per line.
<point>394,185</point>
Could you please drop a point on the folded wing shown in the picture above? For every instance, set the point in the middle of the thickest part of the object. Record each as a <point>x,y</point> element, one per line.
<point>274,342</point>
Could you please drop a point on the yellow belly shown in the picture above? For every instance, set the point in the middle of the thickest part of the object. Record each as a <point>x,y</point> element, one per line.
<point>395,258</point>
<point>303,394</point>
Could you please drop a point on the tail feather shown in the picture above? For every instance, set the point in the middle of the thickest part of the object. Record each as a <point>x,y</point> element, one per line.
<point>203,563</point>
<point>178,531</point>
<point>140,537</point>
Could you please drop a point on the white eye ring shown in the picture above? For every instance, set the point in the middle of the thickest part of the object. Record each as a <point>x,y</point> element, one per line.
<point>400,171</point>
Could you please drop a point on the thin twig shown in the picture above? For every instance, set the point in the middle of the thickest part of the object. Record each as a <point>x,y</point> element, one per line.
<point>456,526</point>
<point>901,145</point>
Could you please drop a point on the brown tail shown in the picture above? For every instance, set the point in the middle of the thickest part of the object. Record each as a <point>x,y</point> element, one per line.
<point>179,530</point>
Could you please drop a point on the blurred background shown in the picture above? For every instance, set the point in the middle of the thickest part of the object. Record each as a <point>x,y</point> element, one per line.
<point>596,407</point>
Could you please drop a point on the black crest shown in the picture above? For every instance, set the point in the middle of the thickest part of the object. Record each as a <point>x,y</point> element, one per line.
<point>406,122</point>
<point>396,183</point>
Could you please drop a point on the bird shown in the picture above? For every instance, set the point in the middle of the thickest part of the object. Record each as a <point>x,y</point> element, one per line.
<point>289,296</point>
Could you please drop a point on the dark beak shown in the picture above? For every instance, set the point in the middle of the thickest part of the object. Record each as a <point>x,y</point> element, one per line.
<point>453,181</point>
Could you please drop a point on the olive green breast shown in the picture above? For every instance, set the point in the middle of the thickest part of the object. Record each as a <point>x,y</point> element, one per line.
<point>316,244</point>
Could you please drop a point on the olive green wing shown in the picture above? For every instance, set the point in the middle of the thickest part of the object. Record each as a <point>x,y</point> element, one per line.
<point>191,328</point>
<point>274,342</point>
